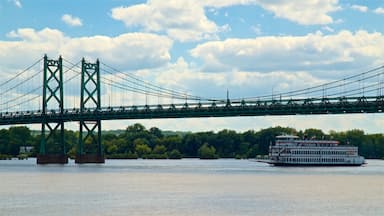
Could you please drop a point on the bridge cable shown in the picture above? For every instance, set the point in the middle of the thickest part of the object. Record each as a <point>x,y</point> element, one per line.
<point>20,73</point>
<point>138,81</point>
<point>321,87</point>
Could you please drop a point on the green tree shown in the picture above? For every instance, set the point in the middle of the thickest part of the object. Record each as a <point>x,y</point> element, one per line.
<point>171,142</point>
<point>314,133</point>
<point>242,151</point>
<point>141,147</point>
<point>111,148</point>
<point>156,132</point>
<point>267,137</point>
<point>227,143</point>
<point>4,141</point>
<point>19,136</point>
<point>159,149</point>
<point>192,143</point>
<point>207,152</point>
<point>175,154</point>
<point>136,128</point>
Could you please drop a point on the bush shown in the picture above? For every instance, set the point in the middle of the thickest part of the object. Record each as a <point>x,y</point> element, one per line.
<point>155,156</point>
<point>123,156</point>
<point>5,157</point>
<point>207,152</point>
<point>175,154</point>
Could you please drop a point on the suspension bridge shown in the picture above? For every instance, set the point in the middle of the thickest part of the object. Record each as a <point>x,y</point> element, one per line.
<point>37,95</point>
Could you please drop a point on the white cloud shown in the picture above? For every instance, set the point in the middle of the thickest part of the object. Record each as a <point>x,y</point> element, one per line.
<point>183,76</point>
<point>257,29</point>
<point>17,3</point>
<point>379,10</point>
<point>327,28</point>
<point>130,51</point>
<point>360,8</point>
<point>186,20</point>
<point>71,20</point>
<point>313,52</point>
<point>181,20</point>
<point>305,12</point>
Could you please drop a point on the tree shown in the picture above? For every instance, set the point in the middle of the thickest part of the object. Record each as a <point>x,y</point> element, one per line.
<point>4,141</point>
<point>136,128</point>
<point>171,142</point>
<point>142,150</point>
<point>159,149</point>
<point>192,142</point>
<point>141,147</point>
<point>156,132</point>
<point>174,154</point>
<point>111,149</point>
<point>227,143</point>
<point>267,137</point>
<point>207,152</point>
<point>242,150</point>
<point>19,136</point>
<point>314,133</point>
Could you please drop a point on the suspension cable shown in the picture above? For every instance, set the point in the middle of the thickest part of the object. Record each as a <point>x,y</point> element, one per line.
<point>152,86</point>
<point>20,73</point>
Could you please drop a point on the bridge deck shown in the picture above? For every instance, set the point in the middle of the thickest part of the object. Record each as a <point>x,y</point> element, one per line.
<point>307,106</point>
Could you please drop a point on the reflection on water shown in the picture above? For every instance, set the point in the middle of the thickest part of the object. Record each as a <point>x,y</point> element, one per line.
<point>189,187</point>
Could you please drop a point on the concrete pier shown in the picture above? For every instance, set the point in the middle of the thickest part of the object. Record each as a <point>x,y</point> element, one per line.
<point>89,158</point>
<point>52,159</point>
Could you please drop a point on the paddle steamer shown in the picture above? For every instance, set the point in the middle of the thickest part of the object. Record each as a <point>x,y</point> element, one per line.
<point>292,151</point>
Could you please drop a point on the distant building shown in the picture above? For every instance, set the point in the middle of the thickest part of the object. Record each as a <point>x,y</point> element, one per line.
<point>25,149</point>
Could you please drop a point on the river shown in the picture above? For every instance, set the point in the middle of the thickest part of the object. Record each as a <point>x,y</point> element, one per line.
<point>188,187</point>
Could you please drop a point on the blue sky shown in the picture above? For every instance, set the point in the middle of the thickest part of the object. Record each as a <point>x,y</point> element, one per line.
<point>250,47</point>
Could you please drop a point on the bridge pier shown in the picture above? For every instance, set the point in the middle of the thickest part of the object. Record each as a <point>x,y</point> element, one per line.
<point>89,158</point>
<point>52,159</point>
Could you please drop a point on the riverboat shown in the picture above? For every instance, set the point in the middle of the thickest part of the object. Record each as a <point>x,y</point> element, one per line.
<point>290,150</point>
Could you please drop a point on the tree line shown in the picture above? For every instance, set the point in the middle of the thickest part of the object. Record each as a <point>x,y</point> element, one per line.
<point>136,141</point>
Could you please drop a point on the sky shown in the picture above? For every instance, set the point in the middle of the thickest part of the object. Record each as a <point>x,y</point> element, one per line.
<point>206,47</point>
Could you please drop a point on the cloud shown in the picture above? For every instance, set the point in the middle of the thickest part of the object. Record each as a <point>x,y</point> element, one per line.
<point>129,51</point>
<point>71,20</point>
<point>327,28</point>
<point>182,76</point>
<point>181,20</point>
<point>304,12</point>
<point>257,29</point>
<point>313,52</point>
<point>186,20</point>
<point>379,10</point>
<point>17,3</point>
<point>360,8</point>
<point>185,77</point>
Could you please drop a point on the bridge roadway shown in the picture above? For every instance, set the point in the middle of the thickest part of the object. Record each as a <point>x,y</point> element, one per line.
<point>309,106</point>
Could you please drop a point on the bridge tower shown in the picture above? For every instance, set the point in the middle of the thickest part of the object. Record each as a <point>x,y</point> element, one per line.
<point>89,148</point>
<point>52,146</point>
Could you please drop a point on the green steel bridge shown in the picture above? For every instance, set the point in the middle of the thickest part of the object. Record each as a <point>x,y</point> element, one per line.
<point>308,106</point>
<point>361,93</point>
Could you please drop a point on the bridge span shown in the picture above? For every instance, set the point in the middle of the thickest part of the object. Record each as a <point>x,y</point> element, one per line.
<point>360,93</point>
<point>307,106</point>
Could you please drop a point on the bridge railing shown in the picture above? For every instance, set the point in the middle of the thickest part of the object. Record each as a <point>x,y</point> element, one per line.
<point>213,108</point>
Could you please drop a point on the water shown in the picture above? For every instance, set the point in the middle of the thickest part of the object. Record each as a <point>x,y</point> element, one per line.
<point>189,187</point>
